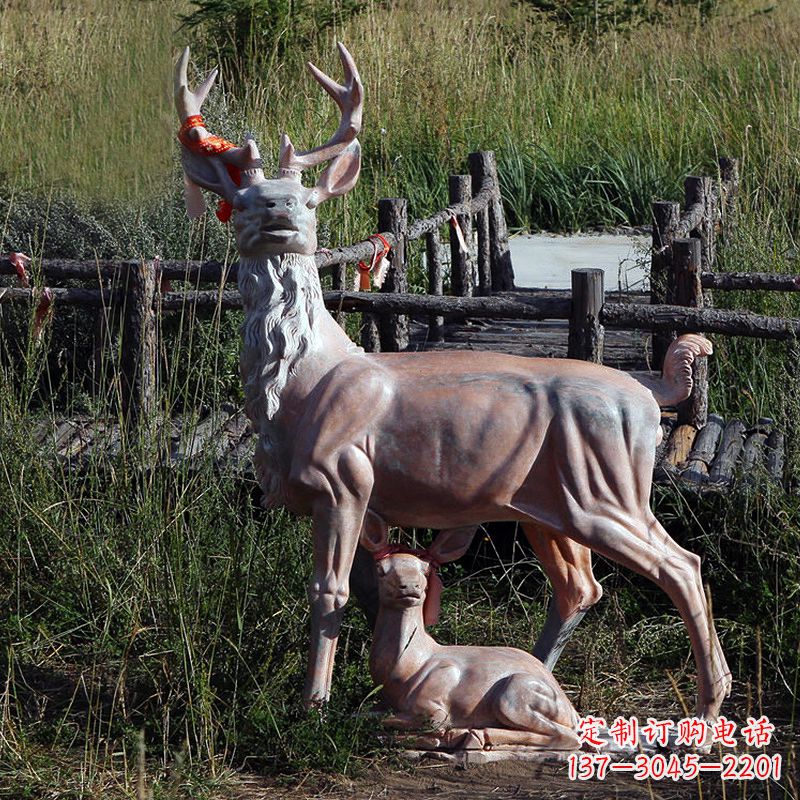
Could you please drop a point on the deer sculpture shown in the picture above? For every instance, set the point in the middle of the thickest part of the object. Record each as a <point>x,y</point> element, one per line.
<point>456,697</point>
<point>436,440</point>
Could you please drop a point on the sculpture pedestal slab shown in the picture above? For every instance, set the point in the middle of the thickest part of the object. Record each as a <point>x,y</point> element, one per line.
<point>473,758</point>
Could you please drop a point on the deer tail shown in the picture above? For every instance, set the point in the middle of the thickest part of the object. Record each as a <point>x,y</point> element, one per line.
<point>675,384</point>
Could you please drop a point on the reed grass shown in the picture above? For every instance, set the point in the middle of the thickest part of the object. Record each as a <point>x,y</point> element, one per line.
<point>156,612</point>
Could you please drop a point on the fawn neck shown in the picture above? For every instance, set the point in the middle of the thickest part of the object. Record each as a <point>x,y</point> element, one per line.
<point>401,644</point>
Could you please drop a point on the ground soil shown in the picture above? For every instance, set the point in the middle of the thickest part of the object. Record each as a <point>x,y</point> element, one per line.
<point>501,781</point>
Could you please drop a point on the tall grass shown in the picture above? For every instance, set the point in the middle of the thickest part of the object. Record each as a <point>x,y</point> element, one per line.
<point>145,607</point>
<point>587,132</point>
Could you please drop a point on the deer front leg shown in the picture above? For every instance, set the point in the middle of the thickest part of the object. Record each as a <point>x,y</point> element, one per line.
<point>338,515</point>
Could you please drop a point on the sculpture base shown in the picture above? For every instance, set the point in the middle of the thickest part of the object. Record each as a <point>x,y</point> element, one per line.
<point>474,758</point>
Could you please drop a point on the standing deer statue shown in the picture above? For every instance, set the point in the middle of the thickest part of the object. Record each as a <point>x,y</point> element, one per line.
<point>434,440</point>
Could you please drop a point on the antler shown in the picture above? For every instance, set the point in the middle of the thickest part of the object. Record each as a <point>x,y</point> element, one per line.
<point>350,99</point>
<point>209,161</point>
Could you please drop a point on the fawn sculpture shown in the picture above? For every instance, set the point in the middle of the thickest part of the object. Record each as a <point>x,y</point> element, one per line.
<point>439,440</point>
<point>456,697</point>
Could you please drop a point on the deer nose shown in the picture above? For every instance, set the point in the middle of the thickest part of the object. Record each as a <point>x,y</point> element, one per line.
<point>281,205</point>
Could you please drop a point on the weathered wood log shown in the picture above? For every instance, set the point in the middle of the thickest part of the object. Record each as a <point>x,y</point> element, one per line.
<point>94,270</point>
<point>338,281</point>
<point>433,255</point>
<point>754,281</point>
<point>700,191</point>
<point>665,221</point>
<point>138,363</point>
<point>706,444</point>
<point>483,174</point>
<point>774,452</point>
<point>393,217</point>
<point>92,298</point>
<point>680,444</point>
<point>585,331</point>
<point>690,220</point>
<point>703,320</point>
<point>724,463</point>
<point>668,425</point>
<point>483,168</point>
<point>229,299</point>
<point>484,254</point>
<point>752,455</point>
<point>729,175</point>
<point>526,307</point>
<point>686,259</point>
<point>459,188</point>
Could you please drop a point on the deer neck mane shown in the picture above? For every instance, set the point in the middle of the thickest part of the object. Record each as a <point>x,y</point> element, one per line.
<point>282,301</point>
<point>286,325</point>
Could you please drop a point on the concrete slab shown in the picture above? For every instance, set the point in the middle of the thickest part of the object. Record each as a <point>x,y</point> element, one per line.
<point>545,260</point>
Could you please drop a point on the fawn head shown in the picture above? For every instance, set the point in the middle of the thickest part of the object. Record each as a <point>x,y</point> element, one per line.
<point>271,216</point>
<point>408,577</point>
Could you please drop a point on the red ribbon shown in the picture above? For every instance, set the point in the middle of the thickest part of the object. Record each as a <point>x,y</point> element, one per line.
<point>364,268</point>
<point>210,146</point>
<point>433,596</point>
<point>20,261</point>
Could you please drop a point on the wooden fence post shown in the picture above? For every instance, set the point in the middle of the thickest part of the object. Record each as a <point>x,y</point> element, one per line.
<point>483,165</point>
<point>484,254</point>
<point>435,282</point>
<point>476,169</point>
<point>585,330</point>
<point>729,175</point>
<point>461,283</point>
<point>701,190</point>
<point>686,260</point>
<point>665,219</point>
<point>393,217</point>
<point>139,346</point>
<point>338,280</point>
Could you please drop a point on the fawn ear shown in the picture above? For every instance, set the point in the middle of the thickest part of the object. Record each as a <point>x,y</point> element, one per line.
<point>452,544</point>
<point>374,533</point>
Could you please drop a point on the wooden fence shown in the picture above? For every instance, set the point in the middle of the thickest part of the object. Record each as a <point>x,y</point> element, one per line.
<point>481,283</point>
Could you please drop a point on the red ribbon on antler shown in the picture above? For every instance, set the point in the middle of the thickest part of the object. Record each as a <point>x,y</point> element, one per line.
<point>210,146</point>
<point>433,595</point>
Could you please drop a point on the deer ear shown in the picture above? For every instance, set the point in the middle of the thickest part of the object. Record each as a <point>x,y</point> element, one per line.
<point>374,533</point>
<point>452,544</point>
<point>339,177</point>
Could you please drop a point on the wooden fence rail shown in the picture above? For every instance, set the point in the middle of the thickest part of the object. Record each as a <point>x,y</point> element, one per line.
<point>481,279</point>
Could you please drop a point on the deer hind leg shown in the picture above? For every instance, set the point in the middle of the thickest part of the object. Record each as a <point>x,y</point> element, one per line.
<point>568,565</point>
<point>638,541</point>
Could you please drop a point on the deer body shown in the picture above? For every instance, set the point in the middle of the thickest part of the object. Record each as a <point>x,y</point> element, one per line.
<point>363,441</point>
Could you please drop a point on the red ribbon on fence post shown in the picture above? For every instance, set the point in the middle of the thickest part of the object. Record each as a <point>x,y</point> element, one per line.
<point>377,265</point>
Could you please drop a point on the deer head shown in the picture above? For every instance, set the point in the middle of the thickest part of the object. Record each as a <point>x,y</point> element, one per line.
<point>271,216</point>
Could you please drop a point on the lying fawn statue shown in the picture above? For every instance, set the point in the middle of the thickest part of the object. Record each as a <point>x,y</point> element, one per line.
<point>431,440</point>
<point>456,697</point>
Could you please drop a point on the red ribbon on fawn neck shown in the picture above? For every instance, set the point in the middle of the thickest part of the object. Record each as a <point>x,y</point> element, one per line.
<point>433,596</point>
<point>210,146</point>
